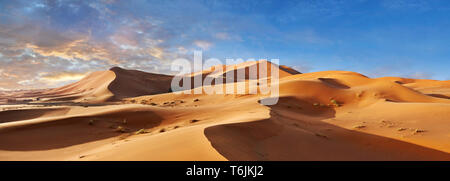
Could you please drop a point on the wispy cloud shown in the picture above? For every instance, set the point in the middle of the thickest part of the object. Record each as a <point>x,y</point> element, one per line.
<point>55,78</point>
<point>205,45</point>
<point>83,36</point>
<point>222,36</point>
<point>407,4</point>
<point>71,36</point>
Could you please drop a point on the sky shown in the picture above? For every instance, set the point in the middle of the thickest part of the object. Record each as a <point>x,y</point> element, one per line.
<point>49,43</point>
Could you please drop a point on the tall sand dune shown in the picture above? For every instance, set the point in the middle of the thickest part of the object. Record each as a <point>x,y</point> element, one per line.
<point>111,85</point>
<point>329,115</point>
<point>118,83</point>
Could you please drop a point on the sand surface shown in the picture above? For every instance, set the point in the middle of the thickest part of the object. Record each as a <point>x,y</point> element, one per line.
<point>123,114</point>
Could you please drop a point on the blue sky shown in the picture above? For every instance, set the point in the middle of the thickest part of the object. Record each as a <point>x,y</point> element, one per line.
<point>50,43</point>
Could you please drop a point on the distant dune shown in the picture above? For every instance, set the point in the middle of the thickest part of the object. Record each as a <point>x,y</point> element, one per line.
<point>112,85</point>
<point>118,83</point>
<point>132,115</point>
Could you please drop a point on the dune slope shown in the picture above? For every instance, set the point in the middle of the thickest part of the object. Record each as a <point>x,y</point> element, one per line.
<point>111,85</point>
<point>329,115</point>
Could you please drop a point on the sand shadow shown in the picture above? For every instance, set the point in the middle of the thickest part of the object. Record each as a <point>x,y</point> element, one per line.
<point>439,96</point>
<point>134,83</point>
<point>25,114</point>
<point>73,131</point>
<point>334,83</point>
<point>293,134</point>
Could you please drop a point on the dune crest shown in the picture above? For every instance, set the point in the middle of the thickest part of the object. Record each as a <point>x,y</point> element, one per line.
<point>118,83</point>
<point>328,115</point>
<point>111,85</point>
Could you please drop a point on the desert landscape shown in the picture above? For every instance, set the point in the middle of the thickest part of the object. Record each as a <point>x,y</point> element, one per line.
<point>225,80</point>
<point>122,114</point>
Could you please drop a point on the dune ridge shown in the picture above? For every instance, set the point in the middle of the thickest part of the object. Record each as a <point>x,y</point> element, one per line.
<point>112,85</point>
<point>329,115</point>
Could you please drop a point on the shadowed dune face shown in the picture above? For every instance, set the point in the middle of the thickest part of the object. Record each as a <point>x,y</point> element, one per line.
<point>289,70</point>
<point>133,83</point>
<point>334,83</point>
<point>110,85</point>
<point>435,88</point>
<point>293,135</point>
<point>239,73</point>
<point>329,115</point>
<point>439,96</point>
<point>17,115</point>
<point>118,83</point>
<point>76,130</point>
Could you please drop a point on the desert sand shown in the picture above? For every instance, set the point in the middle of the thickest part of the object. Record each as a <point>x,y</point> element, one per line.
<point>121,114</point>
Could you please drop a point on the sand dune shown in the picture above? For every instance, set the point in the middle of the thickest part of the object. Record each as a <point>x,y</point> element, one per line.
<point>118,83</point>
<point>112,85</point>
<point>329,115</point>
<point>246,67</point>
<point>229,73</point>
<point>435,88</point>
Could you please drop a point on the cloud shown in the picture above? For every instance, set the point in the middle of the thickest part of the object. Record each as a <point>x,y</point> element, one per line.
<point>205,45</point>
<point>59,77</point>
<point>317,10</point>
<point>407,4</point>
<point>39,36</point>
<point>77,49</point>
<point>222,36</point>
<point>407,70</point>
<point>419,75</point>
<point>302,68</point>
<point>156,52</point>
<point>228,36</point>
<point>307,36</point>
<point>83,36</point>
